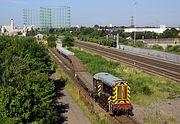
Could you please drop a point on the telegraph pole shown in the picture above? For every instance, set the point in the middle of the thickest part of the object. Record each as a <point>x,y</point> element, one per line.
<point>117,41</point>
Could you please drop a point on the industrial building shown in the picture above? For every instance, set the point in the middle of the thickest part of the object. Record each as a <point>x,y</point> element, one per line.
<point>11,30</point>
<point>158,30</point>
<point>48,17</point>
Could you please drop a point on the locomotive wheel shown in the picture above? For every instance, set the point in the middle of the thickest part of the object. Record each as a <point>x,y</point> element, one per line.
<point>112,114</point>
<point>95,99</point>
<point>107,108</point>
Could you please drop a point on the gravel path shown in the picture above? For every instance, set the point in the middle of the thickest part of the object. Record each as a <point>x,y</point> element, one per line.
<point>68,111</point>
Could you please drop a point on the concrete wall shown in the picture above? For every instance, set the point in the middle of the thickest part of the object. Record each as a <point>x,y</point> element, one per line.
<point>163,41</point>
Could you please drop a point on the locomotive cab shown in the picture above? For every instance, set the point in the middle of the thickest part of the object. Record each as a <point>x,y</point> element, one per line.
<point>112,93</point>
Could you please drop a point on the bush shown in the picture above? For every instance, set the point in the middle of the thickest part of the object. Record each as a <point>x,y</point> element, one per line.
<point>68,40</point>
<point>124,41</point>
<point>139,87</point>
<point>139,44</point>
<point>174,49</point>
<point>146,90</point>
<point>157,47</point>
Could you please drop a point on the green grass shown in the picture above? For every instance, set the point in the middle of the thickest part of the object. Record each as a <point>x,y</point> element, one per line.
<point>145,88</point>
<point>152,120</point>
<point>96,118</point>
<point>158,118</point>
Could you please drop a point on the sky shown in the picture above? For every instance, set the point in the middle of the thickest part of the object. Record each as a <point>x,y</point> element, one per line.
<point>101,12</point>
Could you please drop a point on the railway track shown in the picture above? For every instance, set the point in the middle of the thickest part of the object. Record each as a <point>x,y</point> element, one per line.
<point>152,65</point>
<point>67,68</point>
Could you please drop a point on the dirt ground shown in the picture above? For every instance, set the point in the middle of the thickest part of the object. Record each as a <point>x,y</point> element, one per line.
<point>68,111</point>
<point>163,112</point>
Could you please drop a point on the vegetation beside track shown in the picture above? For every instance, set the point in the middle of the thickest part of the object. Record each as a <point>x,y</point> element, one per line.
<point>73,91</point>
<point>145,88</point>
<point>26,91</point>
<point>160,119</point>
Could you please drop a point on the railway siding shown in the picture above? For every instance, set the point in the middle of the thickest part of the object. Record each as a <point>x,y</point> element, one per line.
<point>150,65</point>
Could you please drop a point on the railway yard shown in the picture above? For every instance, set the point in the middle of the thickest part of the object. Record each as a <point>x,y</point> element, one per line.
<point>72,66</point>
<point>63,62</point>
<point>149,64</point>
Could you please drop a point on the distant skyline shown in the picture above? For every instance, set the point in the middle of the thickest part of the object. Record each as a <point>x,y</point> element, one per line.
<point>101,12</point>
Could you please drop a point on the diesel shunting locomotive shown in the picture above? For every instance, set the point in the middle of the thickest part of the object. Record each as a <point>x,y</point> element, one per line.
<point>112,93</point>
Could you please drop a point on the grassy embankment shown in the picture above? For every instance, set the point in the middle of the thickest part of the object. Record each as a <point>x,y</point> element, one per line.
<point>145,89</point>
<point>73,91</point>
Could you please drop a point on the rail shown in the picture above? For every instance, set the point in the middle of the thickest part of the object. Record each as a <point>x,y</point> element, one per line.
<point>150,65</point>
<point>84,93</point>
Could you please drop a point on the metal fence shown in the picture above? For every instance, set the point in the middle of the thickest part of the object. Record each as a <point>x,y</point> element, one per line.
<point>167,56</point>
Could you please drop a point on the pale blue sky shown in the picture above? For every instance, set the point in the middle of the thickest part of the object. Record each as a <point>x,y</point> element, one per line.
<point>102,12</point>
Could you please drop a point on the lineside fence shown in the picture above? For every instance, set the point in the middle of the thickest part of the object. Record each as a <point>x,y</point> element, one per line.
<point>164,55</point>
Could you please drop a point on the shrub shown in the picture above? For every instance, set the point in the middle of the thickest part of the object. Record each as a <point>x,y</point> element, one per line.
<point>157,47</point>
<point>139,44</point>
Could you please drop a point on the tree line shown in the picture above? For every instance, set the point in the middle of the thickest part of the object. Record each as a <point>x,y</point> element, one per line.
<point>107,36</point>
<point>26,90</point>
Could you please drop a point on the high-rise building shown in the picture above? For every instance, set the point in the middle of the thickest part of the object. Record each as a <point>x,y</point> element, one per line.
<point>45,18</point>
<point>31,17</point>
<point>61,17</point>
<point>48,17</point>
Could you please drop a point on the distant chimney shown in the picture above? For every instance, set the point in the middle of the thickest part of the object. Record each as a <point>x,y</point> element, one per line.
<point>2,29</point>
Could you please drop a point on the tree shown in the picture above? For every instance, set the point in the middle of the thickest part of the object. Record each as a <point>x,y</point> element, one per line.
<point>68,40</point>
<point>145,35</point>
<point>170,33</point>
<point>51,30</point>
<point>51,41</point>
<point>96,26</point>
<point>26,92</point>
<point>174,49</point>
<point>32,32</point>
